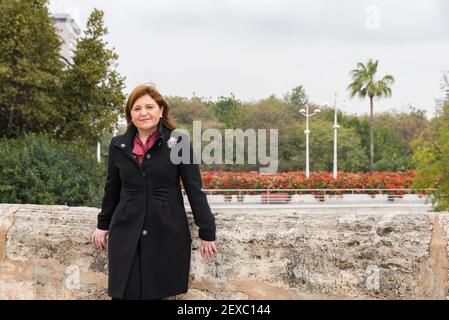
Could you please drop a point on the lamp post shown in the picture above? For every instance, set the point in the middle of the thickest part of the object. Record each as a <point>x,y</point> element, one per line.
<point>336,127</point>
<point>98,151</point>
<point>305,112</point>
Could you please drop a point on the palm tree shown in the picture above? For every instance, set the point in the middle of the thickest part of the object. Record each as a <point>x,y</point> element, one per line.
<point>363,84</point>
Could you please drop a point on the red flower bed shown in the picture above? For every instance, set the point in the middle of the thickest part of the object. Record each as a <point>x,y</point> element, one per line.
<point>317,180</point>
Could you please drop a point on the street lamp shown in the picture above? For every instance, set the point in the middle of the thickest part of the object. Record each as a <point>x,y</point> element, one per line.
<point>336,127</point>
<point>98,151</point>
<point>305,113</point>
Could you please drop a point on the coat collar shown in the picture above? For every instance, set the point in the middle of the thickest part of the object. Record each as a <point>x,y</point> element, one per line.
<point>126,140</point>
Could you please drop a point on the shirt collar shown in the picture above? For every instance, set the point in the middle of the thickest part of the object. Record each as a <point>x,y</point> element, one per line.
<point>150,137</point>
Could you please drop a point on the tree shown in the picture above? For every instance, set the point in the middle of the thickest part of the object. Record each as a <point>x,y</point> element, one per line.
<point>185,111</point>
<point>364,84</point>
<point>351,153</point>
<point>30,68</point>
<point>431,150</point>
<point>36,168</point>
<point>269,113</point>
<point>92,95</point>
<point>393,153</point>
<point>297,97</point>
<point>430,154</point>
<point>225,109</point>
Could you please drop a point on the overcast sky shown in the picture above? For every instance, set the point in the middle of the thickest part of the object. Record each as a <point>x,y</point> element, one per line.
<point>255,48</point>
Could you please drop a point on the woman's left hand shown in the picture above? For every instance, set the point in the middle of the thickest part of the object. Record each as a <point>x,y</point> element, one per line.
<point>208,250</point>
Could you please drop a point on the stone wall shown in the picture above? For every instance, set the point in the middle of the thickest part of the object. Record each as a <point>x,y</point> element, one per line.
<point>325,253</point>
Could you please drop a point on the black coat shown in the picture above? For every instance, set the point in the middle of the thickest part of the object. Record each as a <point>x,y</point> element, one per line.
<point>145,203</point>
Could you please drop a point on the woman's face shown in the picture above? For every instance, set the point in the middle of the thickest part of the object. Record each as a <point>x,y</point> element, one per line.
<point>146,113</point>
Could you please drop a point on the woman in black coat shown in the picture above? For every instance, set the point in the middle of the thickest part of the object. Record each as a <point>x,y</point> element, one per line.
<point>142,219</point>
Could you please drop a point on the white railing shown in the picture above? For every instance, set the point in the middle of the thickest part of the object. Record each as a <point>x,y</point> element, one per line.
<point>260,198</point>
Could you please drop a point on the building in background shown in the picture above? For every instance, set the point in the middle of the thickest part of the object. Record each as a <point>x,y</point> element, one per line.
<point>69,32</point>
<point>440,103</point>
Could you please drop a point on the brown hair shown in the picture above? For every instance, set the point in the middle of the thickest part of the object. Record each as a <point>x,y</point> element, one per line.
<point>149,89</point>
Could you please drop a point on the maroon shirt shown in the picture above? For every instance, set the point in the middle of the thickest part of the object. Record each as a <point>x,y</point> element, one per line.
<point>140,149</point>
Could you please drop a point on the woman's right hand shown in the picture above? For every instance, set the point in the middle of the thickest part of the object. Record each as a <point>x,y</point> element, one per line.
<point>99,238</point>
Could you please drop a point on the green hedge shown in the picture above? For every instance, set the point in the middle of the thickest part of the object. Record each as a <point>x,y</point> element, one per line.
<point>37,169</point>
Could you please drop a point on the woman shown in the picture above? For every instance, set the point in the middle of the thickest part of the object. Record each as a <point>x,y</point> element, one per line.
<point>142,213</point>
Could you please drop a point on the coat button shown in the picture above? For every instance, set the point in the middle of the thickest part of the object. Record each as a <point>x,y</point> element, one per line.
<point>144,174</point>
<point>148,156</point>
<point>123,145</point>
<point>144,232</point>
